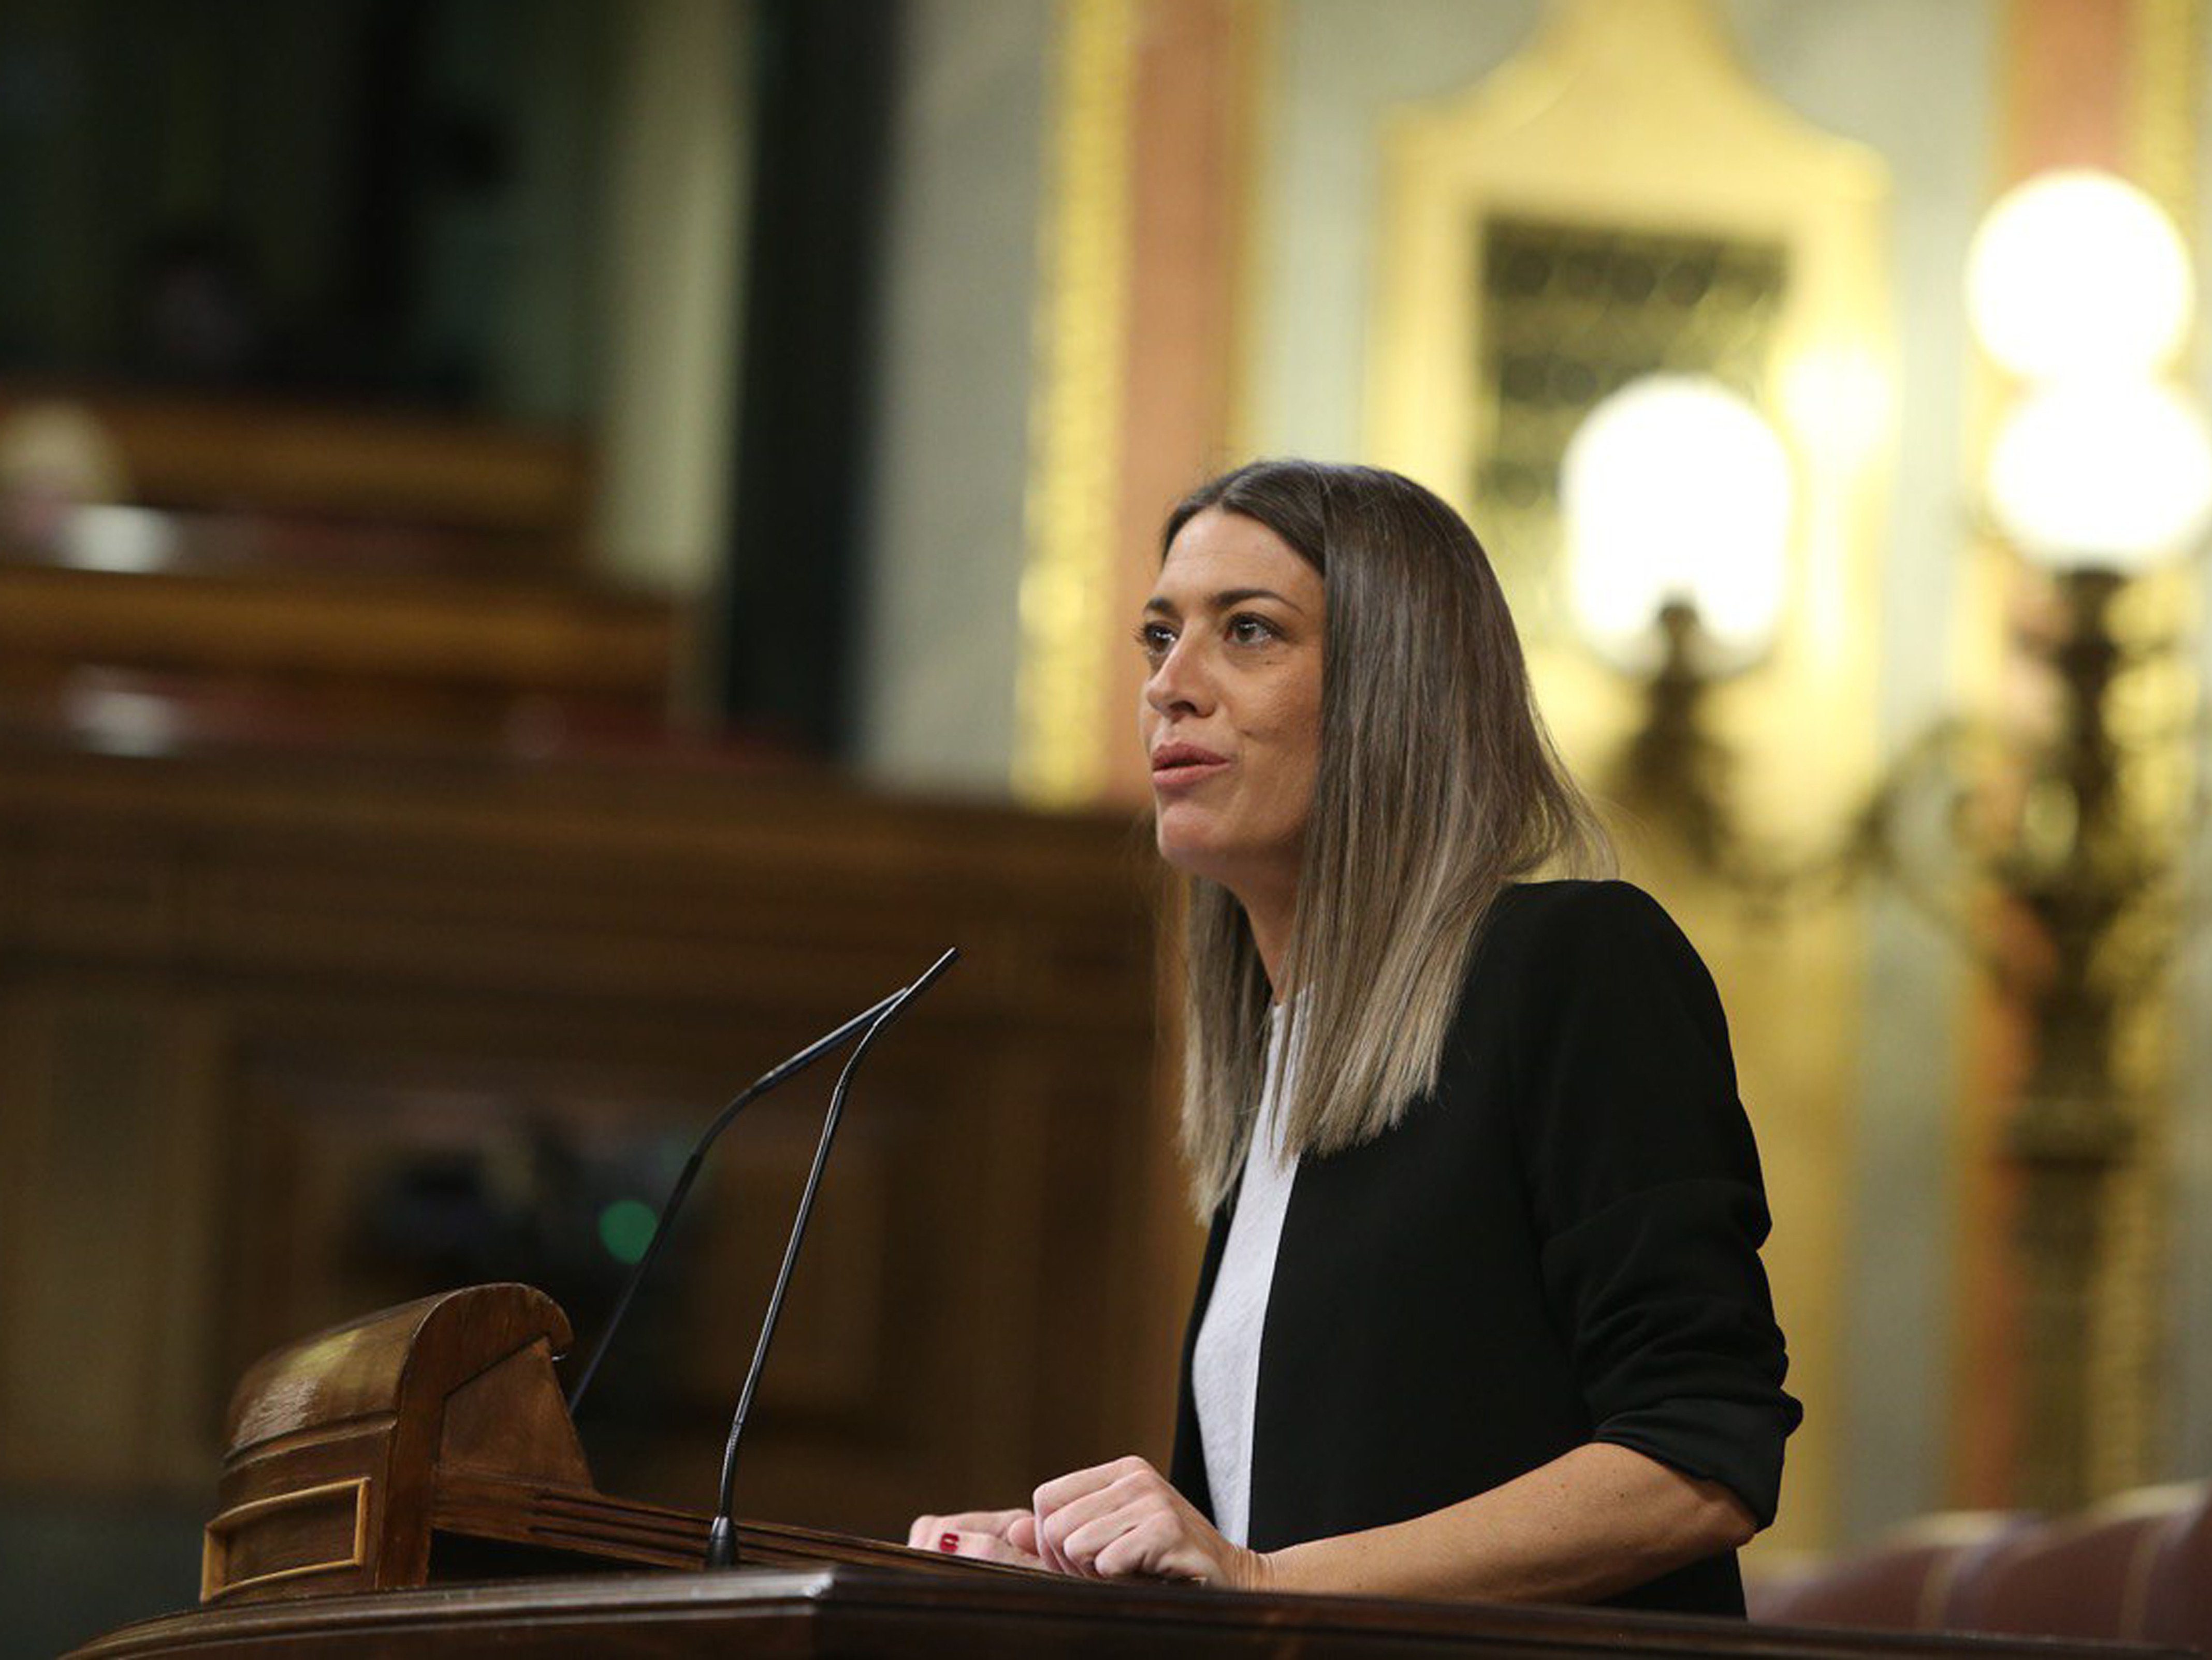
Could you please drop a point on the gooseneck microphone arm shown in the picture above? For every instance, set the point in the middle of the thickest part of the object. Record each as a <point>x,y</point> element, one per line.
<point>760,1086</point>
<point>721,1535</point>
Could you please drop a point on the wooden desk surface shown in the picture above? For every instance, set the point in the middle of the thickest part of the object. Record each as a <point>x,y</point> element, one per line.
<point>859,1614</point>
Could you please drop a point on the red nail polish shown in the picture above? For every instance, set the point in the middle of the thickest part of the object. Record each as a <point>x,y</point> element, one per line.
<point>948,1542</point>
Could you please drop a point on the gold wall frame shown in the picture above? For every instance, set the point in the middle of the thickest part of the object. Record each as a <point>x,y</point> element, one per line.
<point>1629,126</point>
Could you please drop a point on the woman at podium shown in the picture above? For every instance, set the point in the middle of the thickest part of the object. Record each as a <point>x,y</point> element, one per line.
<point>1481,1313</point>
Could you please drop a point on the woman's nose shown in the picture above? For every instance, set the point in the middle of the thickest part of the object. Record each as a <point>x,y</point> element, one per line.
<point>1179,683</point>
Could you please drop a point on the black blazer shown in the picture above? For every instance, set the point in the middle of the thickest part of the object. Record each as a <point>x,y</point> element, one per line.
<point>1560,1245</point>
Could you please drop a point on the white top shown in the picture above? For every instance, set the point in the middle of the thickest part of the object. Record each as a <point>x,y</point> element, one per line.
<point>1225,1368</point>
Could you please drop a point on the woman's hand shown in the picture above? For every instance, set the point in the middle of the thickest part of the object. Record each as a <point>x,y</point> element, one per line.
<point>1118,1521</point>
<point>1124,1520</point>
<point>994,1535</point>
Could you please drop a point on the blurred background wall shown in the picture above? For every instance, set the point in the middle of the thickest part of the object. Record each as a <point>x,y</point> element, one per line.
<point>551,553</point>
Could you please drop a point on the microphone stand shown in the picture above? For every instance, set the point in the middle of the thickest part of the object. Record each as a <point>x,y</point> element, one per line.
<point>721,1535</point>
<point>760,1086</point>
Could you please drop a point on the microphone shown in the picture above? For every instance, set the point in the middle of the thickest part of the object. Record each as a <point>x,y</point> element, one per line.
<point>722,1534</point>
<point>760,1086</point>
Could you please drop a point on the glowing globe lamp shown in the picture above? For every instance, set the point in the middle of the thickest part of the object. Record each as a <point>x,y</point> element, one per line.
<point>2078,272</point>
<point>2107,474</point>
<point>1675,489</point>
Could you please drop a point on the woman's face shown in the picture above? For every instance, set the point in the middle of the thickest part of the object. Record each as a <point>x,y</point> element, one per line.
<point>1232,712</point>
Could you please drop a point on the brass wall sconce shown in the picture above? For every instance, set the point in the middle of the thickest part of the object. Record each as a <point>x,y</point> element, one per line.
<point>1677,500</point>
<point>2027,840</point>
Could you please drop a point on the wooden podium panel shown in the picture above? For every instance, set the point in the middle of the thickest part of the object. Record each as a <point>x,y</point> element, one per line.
<point>875,1614</point>
<point>261,1007</point>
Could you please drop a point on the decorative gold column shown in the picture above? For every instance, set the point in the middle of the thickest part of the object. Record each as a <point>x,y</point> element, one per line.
<point>1137,328</point>
<point>1080,333</point>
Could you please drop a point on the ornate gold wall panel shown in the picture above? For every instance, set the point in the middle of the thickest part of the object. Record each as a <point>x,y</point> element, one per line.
<point>1619,197</point>
<point>1630,119</point>
<point>1568,313</point>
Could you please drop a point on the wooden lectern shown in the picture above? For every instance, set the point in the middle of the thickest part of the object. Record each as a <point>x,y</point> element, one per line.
<point>423,1459</point>
<point>431,1442</point>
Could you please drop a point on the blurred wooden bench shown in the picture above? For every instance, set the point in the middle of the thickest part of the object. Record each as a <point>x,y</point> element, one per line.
<point>285,459</point>
<point>376,569</point>
<point>2136,1568</point>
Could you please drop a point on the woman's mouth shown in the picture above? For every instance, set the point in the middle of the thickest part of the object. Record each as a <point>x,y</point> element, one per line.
<point>1179,766</point>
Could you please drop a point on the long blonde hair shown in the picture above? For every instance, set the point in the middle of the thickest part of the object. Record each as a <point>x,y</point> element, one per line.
<point>1436,786</point>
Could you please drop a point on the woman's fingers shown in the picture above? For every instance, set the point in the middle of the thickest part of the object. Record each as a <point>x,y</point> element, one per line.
<point>927,1531</point>
<point>1084,1547</point>
<point>923,1533</point>
<point>1077,1483</point>
<point>1054,1496</point>
<point>985,1548</point>
<point>1082,1515</point>
<point>1125,1520</point>
<point>1154,1547</point>
<point>1077,1499</point>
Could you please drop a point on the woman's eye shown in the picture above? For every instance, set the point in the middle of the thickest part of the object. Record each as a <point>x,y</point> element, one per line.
<point>1154,640</point>
<point>1251,630</point>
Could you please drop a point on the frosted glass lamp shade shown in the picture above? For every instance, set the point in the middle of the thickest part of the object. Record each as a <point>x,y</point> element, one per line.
<point>1676,489</point>
<point>2078,272</point>
<point>2110,475</point>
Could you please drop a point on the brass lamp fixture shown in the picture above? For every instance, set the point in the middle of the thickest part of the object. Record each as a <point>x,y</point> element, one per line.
<point>2099,472</point>
<point>2032,842</point>
<point>1676,498</point>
